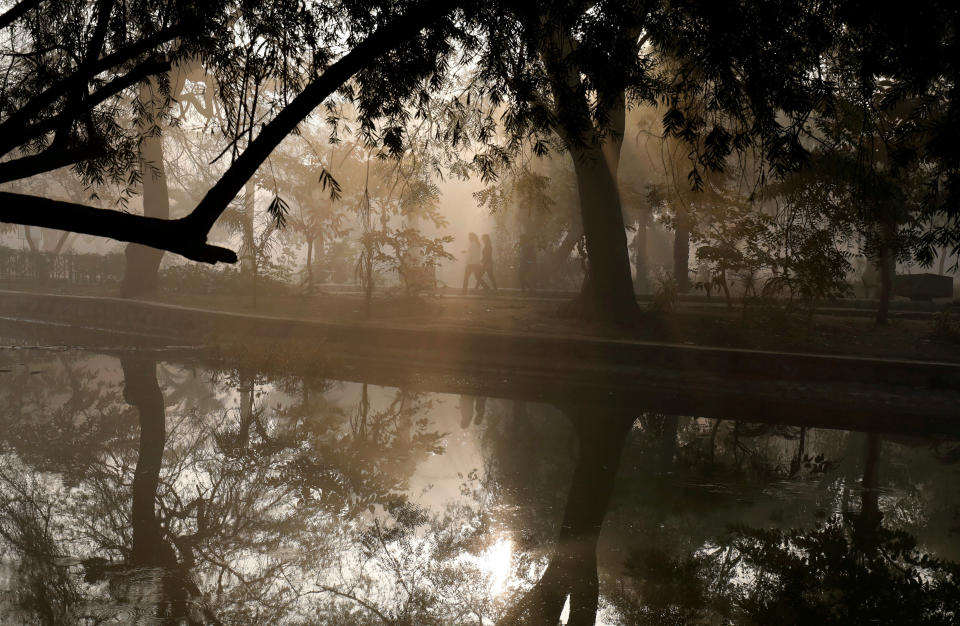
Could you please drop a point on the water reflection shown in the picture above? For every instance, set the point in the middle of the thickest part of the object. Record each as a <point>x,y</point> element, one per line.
<point>157,492</point>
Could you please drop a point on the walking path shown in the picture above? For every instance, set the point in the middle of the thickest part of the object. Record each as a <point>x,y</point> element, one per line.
<point>512,359</point>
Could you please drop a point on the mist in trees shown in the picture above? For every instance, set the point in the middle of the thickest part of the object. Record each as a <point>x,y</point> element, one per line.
<point>224,113</point>
<point>241,383</point>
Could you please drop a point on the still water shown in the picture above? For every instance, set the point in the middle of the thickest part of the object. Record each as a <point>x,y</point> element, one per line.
<point>139,488</point>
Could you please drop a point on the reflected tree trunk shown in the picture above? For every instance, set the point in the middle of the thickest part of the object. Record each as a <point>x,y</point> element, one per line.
<point>142,391</point>
<point>247,393</point>
<point>150,547</point>
<point>668,442</point>
<point>870,496</point>
<point>797,461</point>
<point>572,570</point>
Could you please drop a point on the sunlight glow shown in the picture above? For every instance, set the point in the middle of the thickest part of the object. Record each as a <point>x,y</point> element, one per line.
<point>497,561</point>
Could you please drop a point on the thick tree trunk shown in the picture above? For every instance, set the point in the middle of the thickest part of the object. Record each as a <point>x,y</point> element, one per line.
<point>608,293</point>
<point>143,263</point>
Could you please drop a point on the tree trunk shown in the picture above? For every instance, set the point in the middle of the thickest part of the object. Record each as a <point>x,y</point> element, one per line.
<point>640,284</point>
<point>681,257</point>
<point>248,246</point>
<point>247,394</point>
<point>152,545</point>
<point>309,265</point>
<point>143,263</point>
<point>726,289</point>
<point>607,294</point>
<point>608,290</point>
<point>887,266</point>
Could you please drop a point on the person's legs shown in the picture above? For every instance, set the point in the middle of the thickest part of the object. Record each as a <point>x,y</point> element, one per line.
<point>478,272</point>
<point>488,270</point>
<point>466,276</point>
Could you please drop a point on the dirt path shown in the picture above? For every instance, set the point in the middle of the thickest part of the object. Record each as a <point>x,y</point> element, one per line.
<point>688,324</point>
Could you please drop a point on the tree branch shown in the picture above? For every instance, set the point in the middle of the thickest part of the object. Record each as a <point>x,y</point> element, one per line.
<point>17,11</point>
<point>50,159</point>
<point>144,70</point>
<point>175,236</point>
<point>383,40</point>
<point>12,127</point>
<point>187,236</point>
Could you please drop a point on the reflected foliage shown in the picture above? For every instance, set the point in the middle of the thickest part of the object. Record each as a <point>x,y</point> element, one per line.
<point>843,572</point>
<point>239,496</point>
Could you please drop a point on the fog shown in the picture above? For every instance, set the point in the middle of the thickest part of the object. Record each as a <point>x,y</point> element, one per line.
<point>421,312</point>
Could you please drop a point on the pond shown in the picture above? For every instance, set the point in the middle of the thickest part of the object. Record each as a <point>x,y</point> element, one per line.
<point>151,487</point>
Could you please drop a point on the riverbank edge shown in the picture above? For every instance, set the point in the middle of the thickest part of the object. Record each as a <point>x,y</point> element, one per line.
<point>453,347</point>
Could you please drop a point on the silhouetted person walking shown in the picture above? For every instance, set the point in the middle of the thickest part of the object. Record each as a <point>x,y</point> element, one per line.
<point>486,262</point>
<point>474,263</point>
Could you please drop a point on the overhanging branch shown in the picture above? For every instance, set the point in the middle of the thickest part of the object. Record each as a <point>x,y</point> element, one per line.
<point>187,236</point>
<point>175,236</point>
<point>17,11</point>
<point>11,128</point>
<point>50,159</point>
<point>383,40</point>
<point>142,71</point>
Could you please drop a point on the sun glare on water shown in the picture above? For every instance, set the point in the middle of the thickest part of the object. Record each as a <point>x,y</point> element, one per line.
<point>496,561</point>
